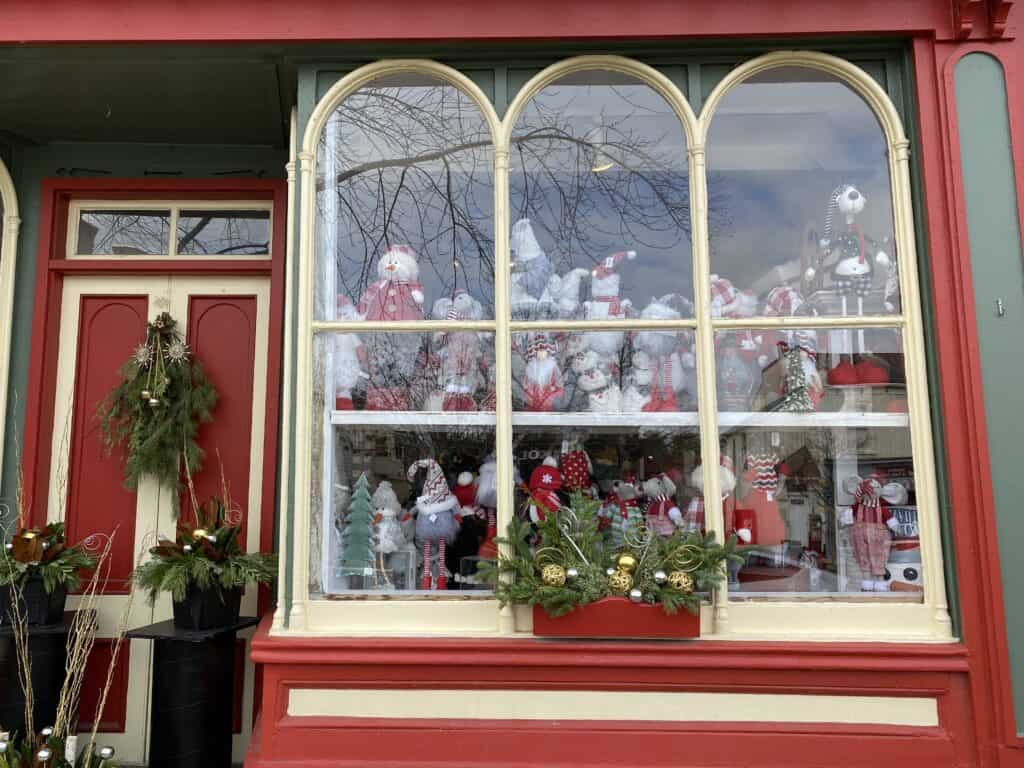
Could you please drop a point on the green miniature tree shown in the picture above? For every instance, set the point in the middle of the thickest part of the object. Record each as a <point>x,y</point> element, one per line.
<point>357,555</point>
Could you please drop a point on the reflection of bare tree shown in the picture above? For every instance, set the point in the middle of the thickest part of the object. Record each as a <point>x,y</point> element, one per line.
<point>413,165</point>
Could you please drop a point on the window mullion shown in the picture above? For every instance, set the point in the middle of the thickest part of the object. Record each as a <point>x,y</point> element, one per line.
<point>503,361</point>
<point>707,401</point>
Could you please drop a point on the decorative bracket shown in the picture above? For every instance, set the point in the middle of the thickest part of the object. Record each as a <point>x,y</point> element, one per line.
<point>998,11</point>
<point>967,12</point>
<point>964,13</point>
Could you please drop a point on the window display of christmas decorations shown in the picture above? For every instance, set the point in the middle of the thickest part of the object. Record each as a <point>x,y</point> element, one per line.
<point>156,410</point>
<point>564,562</point>
<point>204,568</point>
<point>40,567</point>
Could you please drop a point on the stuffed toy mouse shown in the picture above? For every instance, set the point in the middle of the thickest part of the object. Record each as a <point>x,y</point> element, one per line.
<point>694,518</point>
<point>459,351</point>
<point>873,524</point>
<point>621,511</point>
<point>663,515</point>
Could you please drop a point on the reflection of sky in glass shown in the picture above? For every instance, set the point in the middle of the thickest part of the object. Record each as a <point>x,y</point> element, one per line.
<point>409,164</point>
<point>639,202</point>
<point>777,149</point>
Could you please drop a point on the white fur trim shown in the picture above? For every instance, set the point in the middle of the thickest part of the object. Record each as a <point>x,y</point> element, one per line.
<point>417,296</point>
<point>464,478</point>
<point>425,508</point>
<point>550,461</point>
<point>743,534</point>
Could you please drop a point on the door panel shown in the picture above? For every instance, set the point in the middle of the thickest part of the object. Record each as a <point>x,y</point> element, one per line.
<point>102,320</point>
<point>109,328</point>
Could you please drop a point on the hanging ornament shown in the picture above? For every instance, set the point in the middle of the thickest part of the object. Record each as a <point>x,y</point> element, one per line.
<point>635,595</point>
<point>553,575</point>
<point>660,577</point>
<point>571,574</point>
<point>620,583</point>
<point>681,580</point>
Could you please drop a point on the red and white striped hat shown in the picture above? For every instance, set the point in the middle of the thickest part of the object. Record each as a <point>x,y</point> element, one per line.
<point>611,263</point>
<point>540,342</point>
<point>435,487</point>
<point>783,301</point>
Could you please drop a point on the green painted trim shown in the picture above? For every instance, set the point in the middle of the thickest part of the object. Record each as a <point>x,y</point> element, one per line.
<point>901,83</point>
<point>993,231</point>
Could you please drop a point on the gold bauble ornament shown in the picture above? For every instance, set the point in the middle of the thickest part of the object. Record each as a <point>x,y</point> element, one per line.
<point>626,562</point>
<point>681,580</point>
<point>199,533</point>
<point>553,575</point>
<point>146,394</point>
<point>620,583</point>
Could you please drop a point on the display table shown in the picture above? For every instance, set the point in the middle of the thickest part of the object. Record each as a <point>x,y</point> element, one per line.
<point>47,646</point>
<point>193,691</point>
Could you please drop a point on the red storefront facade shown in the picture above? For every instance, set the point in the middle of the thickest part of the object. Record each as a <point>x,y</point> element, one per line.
<point>968,677</point>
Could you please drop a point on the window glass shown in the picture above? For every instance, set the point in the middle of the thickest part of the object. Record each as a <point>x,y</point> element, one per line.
<point>817,469</point>
<point>405,202</point>
<point>224,233</point>
<point>799,196</point>
<point>412,413</point>
<point>123,233</point>
<point>599,197</point>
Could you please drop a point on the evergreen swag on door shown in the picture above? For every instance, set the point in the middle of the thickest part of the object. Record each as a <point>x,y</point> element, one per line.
<point>157,408</point>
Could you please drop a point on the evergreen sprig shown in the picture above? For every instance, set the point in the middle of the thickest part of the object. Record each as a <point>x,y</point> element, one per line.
<point>57,564</point>
<point>21,753</point>
<point>156,409</point>
<point>207,556</point>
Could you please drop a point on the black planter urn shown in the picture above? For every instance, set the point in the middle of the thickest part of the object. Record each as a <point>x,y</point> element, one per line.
<point>40,608</point>
<point>208,608</point>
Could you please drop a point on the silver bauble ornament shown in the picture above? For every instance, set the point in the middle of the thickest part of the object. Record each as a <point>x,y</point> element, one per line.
<point>47,732</point>
<point>3,747</point>
<point>571,573</point>
<point>609,571</point>
<point>44,754</point>
<point>153,402</point>
<point>146,394</point>
<point>636,595</point>
<point>106,753</point>
<point>660,577</point>
<point>186,548</point>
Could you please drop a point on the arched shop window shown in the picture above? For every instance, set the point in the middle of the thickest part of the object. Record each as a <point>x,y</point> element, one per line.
<point>9,223</point>
<point>479,295</point>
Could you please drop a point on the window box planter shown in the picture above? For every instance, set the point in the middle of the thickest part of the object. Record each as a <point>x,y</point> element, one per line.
<point>617,617</point>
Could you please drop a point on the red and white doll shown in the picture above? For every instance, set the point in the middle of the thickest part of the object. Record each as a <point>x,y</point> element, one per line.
<point>487,499</point>
<point>349,359</point>
<point>543,385</point>
<point>873,525</point>
<point>459,352</point>
<point>435,511</point>
<point>545,482</point>
<point>666,356</point>
<point>605,304</point>
<point>392,357</point>
<point>694,519</point>
<point>663,514</point>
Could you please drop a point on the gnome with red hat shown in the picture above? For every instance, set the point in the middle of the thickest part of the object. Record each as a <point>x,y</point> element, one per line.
<point>545,482</point>
<point>605,304</point>
<point>435,520</point>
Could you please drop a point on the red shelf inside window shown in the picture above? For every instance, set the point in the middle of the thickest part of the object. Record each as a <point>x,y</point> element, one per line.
<point>617,617</point>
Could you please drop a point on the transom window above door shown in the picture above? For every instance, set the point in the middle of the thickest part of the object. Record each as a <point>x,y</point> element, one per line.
<point>193,229</point>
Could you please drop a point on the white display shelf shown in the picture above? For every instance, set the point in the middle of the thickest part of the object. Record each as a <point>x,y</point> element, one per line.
<point>419,420</point>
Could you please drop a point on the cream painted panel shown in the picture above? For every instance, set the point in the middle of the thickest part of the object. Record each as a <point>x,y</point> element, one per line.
<point>9,226</point>
<point>670,707</point>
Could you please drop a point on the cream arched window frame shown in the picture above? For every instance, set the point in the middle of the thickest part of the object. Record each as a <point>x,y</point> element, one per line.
<point>781,615</point>
<point>9,224</point>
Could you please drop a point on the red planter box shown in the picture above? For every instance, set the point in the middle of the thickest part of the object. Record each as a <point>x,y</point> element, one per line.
<point>617,617</point>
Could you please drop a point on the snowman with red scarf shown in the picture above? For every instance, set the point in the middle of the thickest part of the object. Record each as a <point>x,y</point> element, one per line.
<point>667,356</point>
<point>605,304</point>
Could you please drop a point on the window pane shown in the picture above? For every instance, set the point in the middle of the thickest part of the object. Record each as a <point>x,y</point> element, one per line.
<point>609,372</point>
<point>123,233</point>
<point>617,423</point>
<point>382,403</point>
<point>599,195</point>
<point>405,202</point>
<point>799,196</point>
<point>224,233</point>
<point>818,468</point>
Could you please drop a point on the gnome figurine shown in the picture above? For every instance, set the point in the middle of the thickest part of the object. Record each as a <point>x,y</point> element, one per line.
<point>531,270</point>
<point>605,304</point>
<point>435,521</point>
<point>543,384</point>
